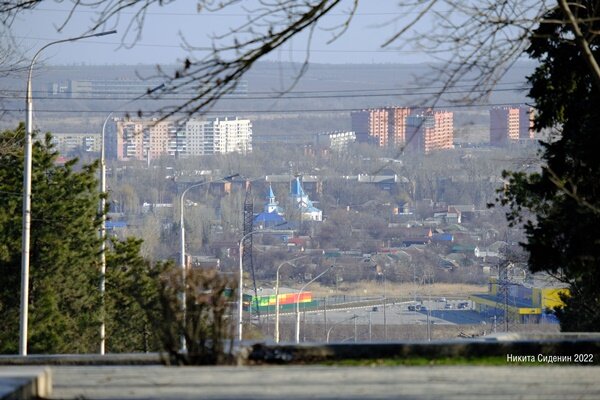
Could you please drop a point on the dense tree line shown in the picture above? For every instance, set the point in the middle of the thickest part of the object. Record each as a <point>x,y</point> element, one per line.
<point>65,304</point>
<point>563,234</point>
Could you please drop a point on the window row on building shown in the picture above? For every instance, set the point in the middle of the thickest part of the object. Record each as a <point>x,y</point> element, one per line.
<point>150,139</point>
<point>416,129</point>
<point>510,124</point>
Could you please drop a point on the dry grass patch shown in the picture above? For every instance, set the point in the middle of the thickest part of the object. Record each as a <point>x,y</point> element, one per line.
<point>392,289</point>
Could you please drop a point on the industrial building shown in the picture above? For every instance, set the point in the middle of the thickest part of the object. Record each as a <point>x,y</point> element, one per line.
<point>526,302</point>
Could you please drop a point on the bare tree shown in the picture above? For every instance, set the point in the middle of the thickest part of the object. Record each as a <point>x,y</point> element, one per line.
<point>475,41</point>
<point>11,63</point>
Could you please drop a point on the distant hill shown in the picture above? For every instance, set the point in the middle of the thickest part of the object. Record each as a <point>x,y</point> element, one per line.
<point>322,89</point>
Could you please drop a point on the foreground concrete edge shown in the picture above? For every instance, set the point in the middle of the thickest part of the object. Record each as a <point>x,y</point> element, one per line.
<point>25,383</point>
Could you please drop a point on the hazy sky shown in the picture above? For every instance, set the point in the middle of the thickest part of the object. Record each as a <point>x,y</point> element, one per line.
<point>374,22</point>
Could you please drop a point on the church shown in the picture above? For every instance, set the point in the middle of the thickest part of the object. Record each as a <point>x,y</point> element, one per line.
<point>272,214</point>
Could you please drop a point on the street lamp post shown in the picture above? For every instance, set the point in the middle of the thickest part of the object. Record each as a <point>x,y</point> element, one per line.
<point>241,277</point>
<point>182,244</point>
<point>103,233</point>
<point>103,215</point>
<point>277,294</point>
<point>336,324</point>
<point>298,301</point>
<point>26,234</point>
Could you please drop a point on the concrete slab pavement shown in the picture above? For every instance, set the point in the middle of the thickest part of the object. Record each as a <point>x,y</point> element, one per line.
<point>322,382</point>
<point>25,382</point>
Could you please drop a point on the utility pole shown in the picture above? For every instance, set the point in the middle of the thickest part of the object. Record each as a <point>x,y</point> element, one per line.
<point>27,174</point>
<point>325,314</point>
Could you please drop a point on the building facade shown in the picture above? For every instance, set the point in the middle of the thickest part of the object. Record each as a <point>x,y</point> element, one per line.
<point>371,126</point>
<point>218,136</point>
<point>337,141</point>
<point>150,139</point>
<point>510,124</point>
<point>429,130</point>
<point>308,212</point>
<point>69,143</point>
<point>130,142</point>
<point>117,88</point>
<point>401,126</point>
<point>519,302</point>
<point>397,125</point>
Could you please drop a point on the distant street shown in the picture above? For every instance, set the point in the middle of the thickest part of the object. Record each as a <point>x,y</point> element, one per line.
<point>396,314</point>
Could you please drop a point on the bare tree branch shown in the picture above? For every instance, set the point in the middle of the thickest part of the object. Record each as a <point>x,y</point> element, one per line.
<point>570,189</point>
<point>582,42</point>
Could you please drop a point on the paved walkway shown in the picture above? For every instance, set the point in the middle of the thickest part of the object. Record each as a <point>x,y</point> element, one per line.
<point>305,382</point>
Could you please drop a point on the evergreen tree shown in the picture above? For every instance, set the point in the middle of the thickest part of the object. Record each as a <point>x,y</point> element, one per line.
<point>64,273</point>
<point>141,305</point>
<point>132,287</point>
<point>563,236</point>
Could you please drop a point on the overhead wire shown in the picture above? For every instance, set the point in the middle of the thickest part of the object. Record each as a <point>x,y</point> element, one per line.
<point>178,46</point>
<point>284,97</point>
<point>277,93</point>
<point>304,110</point>
<point>218,14</point>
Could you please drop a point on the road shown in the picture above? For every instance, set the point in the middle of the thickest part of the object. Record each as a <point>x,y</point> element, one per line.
<point>395,314</point>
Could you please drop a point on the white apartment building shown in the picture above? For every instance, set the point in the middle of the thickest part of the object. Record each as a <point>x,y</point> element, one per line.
<point>149,140</point>
<point>218,136</point>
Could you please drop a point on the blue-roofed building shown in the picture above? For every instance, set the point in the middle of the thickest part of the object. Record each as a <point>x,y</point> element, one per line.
<point>112,225</point>
<point>300,198</point>
<point>272,214</point>
<point>272,205</point>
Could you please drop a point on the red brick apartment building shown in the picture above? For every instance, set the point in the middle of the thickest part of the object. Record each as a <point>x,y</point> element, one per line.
<point>371,126</point>
<point>390,127</point>
<point>510,124</point>
<point>141,140</point>
<point>429,130</point>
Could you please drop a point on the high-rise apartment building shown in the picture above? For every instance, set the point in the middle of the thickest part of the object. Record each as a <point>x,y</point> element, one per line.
<point>510,124</point>
<point>143,140</point>
<point>371,126</point>
<point>148,140</point>
<point>157,139</point>
<point>382,126</point>
<point>130,140</point>
<point>429,130</point>
<point>526,130</point>
<point>218,136</point>
<point>397,125</point>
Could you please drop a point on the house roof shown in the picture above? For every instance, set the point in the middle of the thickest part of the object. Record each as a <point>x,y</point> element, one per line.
<point>271,217</point>
<point>115,224</point>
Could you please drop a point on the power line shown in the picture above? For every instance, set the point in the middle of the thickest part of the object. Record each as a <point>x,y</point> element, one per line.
<point>167,97</point>
<point>283,94</point>
<point>178,46</point>
<point>217,14</point>
<point>301,111</point>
